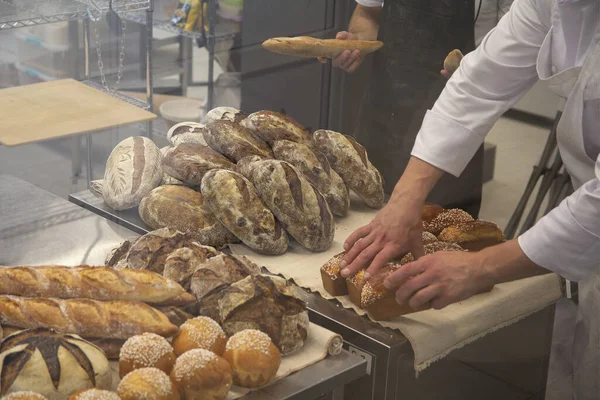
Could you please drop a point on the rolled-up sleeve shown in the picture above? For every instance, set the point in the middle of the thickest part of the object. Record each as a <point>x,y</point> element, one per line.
<point>489,81</point>
<point>370,3</point>
<point>567,240</point>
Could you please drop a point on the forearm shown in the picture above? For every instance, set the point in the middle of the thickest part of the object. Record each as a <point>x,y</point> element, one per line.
<point>365,22</point>
<point>506,262</point>
<point>416,182</point>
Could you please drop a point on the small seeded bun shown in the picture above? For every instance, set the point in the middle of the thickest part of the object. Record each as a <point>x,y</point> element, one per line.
<point>149,384</point>
<point>253,357</point>
<point>200,374</point>
<point>95,394</point>
<point>200,333</point>
<point>146,351</point>
<point>24,396</point>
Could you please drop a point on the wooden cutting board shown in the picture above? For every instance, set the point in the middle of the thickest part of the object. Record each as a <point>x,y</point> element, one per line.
<point>54,109</point>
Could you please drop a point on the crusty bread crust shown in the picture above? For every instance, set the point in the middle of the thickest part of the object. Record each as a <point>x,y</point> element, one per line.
<point>305,46</point>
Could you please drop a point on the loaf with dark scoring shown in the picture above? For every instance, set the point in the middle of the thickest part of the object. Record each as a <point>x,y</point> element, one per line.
<point>349,159</point>
<point>316,169</point>
<point>234,201</point>
<point>188,162</point>
<point>235,141</point>
<point>297,204</point>
<point>225,114</point>
<point>272,126</point>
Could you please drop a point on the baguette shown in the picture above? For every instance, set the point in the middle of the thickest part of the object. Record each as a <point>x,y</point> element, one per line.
<point>97,283</point>
<point>87,318</point>
<point>306,46</point>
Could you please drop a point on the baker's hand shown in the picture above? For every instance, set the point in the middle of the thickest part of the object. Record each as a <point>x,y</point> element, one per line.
<point>396,230</point>
<point>446,74</point>
<point>439,279</point>
<point>349,61</point>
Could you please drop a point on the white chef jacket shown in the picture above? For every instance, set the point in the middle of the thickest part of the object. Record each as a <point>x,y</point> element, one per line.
<point>489,15</point>
<point>492,79</point>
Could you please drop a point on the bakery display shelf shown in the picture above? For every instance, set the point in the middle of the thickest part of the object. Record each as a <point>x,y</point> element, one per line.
<point>20,13</point>
<point>130,100</point>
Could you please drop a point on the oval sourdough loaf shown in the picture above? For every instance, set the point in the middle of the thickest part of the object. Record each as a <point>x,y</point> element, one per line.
<point>349,159</point>
<point>315,167</point>
<point>186,132</point>
<point>272,126</point>
<point>181,263</point>
<point>132,171</point>
<point>225,114</point>
<point>235,141</point>
<point>183,209</point>
<point>243,166</point>
<point>151,250</point>
<point>297,204</point>
<point>234,201</point>
<point>268,304</point>
<point>188,162</point>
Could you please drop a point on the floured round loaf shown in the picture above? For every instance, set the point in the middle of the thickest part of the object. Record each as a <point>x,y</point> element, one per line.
<point>188,162</point>
<point>316,169</point>
<point>271,126</point>
<point>349,159</point>
<point>297,204</point>
<point>186,132</point>
<point>225,114</point>
<point>132,171</point>
<point>183,209</point>
<point>168,179</point>
<point>235,141</point>
<point>234,201</point>
<point>243,166</point>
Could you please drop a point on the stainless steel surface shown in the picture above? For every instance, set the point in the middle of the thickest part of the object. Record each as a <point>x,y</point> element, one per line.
<point>37,227</point>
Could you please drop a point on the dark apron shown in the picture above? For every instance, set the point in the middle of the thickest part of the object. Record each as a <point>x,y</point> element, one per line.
<point>405,83</point>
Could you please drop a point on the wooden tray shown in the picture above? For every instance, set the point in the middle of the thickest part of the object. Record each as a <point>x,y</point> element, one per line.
<point>50,110</point>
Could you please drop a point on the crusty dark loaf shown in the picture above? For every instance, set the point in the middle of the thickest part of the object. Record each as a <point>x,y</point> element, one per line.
<point>298,205</point>
<point>306,46</point>
<point>183,209</point>
<point>186,132</point>
<point>234,201</point>
<point>315,167</point>
<point>268,304</point>
<point>225,114</point>
<point>181,263</point>
<point>272,126</point>
<point>188,162</point>
<point>97,283</point>
<point>235,141</point>
<point>243,166</point>
<point>87,318</point>
<point>152,249</point>
<point>349,159</point>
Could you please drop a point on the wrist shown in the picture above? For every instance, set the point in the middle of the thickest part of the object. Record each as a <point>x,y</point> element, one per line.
<point>485,267</point>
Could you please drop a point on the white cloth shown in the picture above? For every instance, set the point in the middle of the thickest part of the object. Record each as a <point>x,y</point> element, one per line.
<point>559,42</point>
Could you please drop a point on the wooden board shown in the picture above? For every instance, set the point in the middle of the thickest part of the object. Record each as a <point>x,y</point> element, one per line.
<point>50,110</point>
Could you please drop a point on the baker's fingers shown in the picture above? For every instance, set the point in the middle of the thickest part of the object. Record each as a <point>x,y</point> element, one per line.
<point>383,257</point>
<point>424,298</point>
<point>362,260</point>
<point>404,273</point>
<point>353,59</point>
<point>411,286</point>
<point>360,233</point>
<point>343,35</point>
<point>322,60</point>
<point>416,246</point>
<point>446,74</point>
<point>341,59</point>
<point>353,253</point>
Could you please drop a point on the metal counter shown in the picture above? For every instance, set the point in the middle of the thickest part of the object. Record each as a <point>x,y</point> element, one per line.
<point>37,227</point>
<point>511,363</point>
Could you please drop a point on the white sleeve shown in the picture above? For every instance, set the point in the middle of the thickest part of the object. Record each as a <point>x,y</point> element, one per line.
<point>370,3</point>
<point>489,81</point>
<point>567,240</point>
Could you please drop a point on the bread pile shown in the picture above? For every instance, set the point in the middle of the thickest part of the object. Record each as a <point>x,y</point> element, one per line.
<point>251,178</point>
<point>443,230</point>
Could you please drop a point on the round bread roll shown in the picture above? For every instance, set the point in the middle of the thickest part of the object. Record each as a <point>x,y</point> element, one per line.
<point>202,375</point>
<point>148,384</point>
<point>200,333</point>
<point>24,396</point>
<point>445,219</point>
<point>428,238</point>
<point>253,358</point>
<point>146,351</point>
<point>95,394</point>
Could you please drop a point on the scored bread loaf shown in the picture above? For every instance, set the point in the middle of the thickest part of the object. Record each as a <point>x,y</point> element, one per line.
<point>243,166</point>
<point>132,171</point>
<point>181,264</point>
<point>297,204</point>
<point>271,126</point>
<point>118,253</point>
<point>188,162</point>
<point>152,249</point>
<point>225,114</point>
<point>349,159</point>
<point>235,141</point>
<point>186,132</point>
<point>84,317</point>
<point>306,46</point>
<point>234,201</point>
<point>317,170</point>
<point>97,283</point>
<point>183,209</point>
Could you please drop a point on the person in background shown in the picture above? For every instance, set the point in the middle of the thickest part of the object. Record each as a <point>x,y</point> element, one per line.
<point>406,81</point>
<point>558,42</point>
